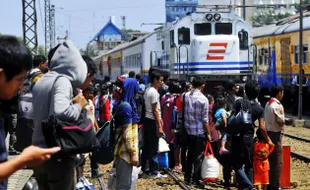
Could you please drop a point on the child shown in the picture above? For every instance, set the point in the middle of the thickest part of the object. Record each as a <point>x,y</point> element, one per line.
<point>260,161</point>
<point>221,116</point>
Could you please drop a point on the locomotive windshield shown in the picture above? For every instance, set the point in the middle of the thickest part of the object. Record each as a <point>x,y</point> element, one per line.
<point>203,29</point>
<point>223,28</point>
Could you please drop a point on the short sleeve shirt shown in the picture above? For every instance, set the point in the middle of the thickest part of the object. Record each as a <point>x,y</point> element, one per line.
<point>151,96</point>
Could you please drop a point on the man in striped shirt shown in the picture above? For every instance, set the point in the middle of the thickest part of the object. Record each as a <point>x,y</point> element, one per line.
<point>197,124</point>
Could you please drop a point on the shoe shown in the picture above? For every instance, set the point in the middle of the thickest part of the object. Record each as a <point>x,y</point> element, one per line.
<point>157,176</point>
<point>177,169</point>
<point>95,173</point>
<point>143,175</point>
<point>223,151</point>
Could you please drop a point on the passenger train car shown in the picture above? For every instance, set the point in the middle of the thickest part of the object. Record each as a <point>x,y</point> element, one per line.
<point>278,53</point>
<point>212,43</point>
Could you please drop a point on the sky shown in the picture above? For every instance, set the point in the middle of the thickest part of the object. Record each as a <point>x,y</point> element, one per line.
<point>84,18</point>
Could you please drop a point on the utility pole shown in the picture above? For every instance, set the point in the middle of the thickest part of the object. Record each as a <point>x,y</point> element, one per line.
<point>47,8</point>
<point>30,37</point>
<point>52,27</point>
<point>124,27</point>
<point>244,10</point>
<point>301,51</point>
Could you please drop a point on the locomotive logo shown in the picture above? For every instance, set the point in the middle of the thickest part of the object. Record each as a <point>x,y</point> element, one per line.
<point>216,51</point>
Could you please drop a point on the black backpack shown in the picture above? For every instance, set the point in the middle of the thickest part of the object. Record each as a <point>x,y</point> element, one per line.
<point>106,137</point>
<point>25,125</point>
<point>242,120</point>
<point>140,103</point>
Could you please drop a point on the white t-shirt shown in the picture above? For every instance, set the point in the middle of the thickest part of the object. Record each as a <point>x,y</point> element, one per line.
<point>90,111</point>
<point>151,96</point>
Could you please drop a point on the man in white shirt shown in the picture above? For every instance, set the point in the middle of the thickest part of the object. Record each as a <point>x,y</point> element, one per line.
<point>153,127</point>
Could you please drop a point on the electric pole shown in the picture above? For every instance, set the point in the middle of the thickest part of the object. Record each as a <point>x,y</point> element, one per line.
<point>47,8</point>
<point>301,51</point>
<point>124,27</point>
<point>30,37</point>
<point>52,27</point>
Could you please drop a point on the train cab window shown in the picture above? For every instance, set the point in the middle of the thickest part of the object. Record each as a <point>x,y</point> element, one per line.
<point>171,38</point>
<point>243,40</point>
<point>184,36</point>
<point>305,54</point>
<point>203,29</point>
<point>223,28</point>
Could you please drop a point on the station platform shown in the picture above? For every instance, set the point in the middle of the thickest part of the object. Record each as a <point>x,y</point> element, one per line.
<point>293,119</point>
<point>18,180</point>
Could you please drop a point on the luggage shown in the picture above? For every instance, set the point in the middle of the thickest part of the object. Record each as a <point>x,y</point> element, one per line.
<point>210,169</point>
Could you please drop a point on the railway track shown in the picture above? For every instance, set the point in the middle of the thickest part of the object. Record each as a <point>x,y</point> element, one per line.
<point>296,154</point>
<point>180,182</point>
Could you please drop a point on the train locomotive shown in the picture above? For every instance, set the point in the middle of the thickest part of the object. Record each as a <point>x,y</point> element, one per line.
<point>212,43</point>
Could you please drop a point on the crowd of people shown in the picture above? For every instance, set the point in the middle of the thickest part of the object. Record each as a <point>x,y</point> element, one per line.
<point>181,112</point>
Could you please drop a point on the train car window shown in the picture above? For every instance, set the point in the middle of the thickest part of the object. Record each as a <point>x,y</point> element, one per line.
<point>184,36</point>
<point>223,28</point>
<point>243,40</point>
<point>203,29</point>
<point>305,54</point>
<point>171,38</point>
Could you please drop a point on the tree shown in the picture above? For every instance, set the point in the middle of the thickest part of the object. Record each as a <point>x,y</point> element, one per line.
<point>90,50</point>
<point>41,50</point>
<point>266,17</point>
<point>297,5</point>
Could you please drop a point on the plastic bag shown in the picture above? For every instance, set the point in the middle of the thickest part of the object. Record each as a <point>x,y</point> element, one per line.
<point>163,146</point>
<point>112,179</point>
<point>135,174</point>
<point>84,184</point>
<point>210,170</point>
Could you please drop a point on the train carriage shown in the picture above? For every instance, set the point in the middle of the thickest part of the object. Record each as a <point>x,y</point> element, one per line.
<point>278,55</point>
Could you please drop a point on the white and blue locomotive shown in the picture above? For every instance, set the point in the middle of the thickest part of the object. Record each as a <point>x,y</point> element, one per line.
<point>212,43</point>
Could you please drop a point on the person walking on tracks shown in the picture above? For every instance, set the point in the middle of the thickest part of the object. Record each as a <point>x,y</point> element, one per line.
<point>196,124</point>
<point>275,120</point>
<point>15,62</point>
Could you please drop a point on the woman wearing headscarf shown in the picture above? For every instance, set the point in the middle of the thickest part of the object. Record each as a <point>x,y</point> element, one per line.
<point>126,118</point>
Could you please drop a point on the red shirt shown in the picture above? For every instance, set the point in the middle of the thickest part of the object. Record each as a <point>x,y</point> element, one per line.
<point>105,112</point>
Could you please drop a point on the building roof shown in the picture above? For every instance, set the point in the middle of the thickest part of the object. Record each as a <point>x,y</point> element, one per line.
<point>108,29</point>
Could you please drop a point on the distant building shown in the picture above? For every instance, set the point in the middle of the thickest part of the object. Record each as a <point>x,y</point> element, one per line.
<point>176,9</point>
<point>108,37</point>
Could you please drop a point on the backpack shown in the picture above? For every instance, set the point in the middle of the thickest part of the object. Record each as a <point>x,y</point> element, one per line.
<point>106,137</point>
<point>25,125</point>
<point>241,121</point>
<point>140,103</point>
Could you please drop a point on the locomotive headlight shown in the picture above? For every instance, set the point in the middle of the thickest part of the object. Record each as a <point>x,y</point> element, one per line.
<point>244,78</point>
<point>217,17</point>
<point>209,17</point>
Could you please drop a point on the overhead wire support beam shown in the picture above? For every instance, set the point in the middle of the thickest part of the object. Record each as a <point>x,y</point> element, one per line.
<point>30,38</point>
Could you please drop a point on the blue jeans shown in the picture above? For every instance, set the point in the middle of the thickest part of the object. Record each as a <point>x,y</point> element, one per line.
<point>242,150</point>
<point>224,135</point>
<point>150,147</point>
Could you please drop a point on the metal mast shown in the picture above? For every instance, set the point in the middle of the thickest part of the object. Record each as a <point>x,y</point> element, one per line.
<point>52,27</point>
<point>47,8</point>
<point>30,25</point>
